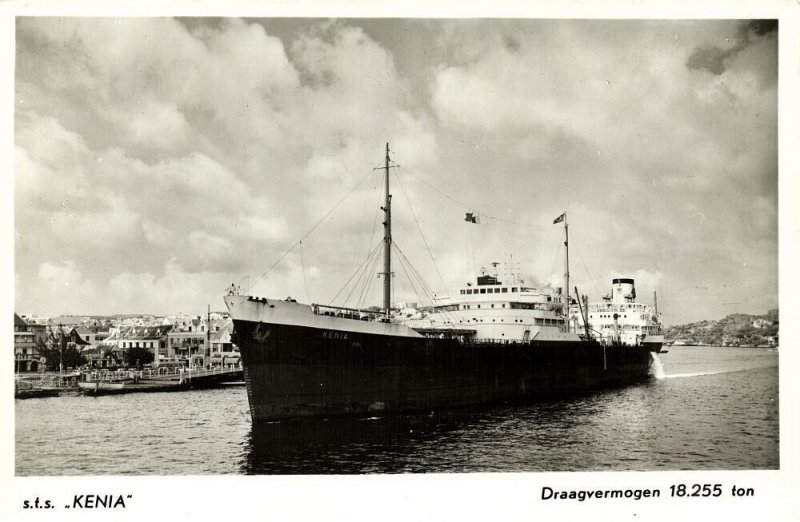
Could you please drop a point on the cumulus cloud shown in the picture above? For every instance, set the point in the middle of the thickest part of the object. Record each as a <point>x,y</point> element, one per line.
<point>55,275</point>
<point>158,159</point>
<point>141,141</point>
<point>717,58</point>
<point>173,290</point>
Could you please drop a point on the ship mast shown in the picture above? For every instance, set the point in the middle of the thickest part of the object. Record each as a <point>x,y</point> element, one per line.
<point>387,243</point>
<point>566,274</point>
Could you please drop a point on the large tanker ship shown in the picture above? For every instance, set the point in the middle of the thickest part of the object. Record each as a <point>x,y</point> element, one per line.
<point>497,341</point>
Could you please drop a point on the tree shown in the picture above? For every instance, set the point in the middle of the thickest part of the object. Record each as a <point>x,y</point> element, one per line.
<point>57,350</point>
<point>138,356</point>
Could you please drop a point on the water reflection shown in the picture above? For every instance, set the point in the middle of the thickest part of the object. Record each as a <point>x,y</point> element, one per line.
<point>718,411</point>
<point>442,442</point>
<point>340,445</point>
<point>700,422</point>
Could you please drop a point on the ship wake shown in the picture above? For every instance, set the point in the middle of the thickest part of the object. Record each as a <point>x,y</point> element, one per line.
<point>695,374</point>
<point>657,370</point>
<point>656,366</point>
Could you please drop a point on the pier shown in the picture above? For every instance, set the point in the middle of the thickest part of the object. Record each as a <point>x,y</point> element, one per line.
<point>159,380</point>
<point>107,382</point>
<point>195,377</point>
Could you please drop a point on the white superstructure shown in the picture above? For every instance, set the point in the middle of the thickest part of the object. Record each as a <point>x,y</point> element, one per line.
<point>494,310</point>
<point>619,319</point>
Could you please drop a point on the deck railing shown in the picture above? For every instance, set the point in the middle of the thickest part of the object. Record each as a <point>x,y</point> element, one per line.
<point>621,308</point>
<point>348,313</point>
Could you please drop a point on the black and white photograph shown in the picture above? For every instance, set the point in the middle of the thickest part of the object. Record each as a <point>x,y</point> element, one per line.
<point>417,246</point>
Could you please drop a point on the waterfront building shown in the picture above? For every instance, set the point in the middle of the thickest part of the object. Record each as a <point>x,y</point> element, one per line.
<point>187,339</point>
<point>92,336</point>
<point>34,319</point>
<point>223,351</point>
<point>153,338</point>
<point>187,344</point>
<point>100,359</point>
<point>26,338</point>
<point>75,340</point>
<point>190,337</point>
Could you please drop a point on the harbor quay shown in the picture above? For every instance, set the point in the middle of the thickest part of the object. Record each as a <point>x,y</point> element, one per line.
<point>96,355</point>
<point>108,382</point>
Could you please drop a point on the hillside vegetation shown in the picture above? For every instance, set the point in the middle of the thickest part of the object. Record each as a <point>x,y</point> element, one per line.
<point>733,330</point>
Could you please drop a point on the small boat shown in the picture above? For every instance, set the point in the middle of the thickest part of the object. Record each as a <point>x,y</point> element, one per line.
<point>34,393</point>
<point>29,390</point>
<point>101,387</point>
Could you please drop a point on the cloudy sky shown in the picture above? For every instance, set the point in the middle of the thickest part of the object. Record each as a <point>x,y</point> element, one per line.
<point>159,160</point>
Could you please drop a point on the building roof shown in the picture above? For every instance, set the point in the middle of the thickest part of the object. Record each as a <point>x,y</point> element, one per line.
<point>75,337</point>
<point>83,330</point>
<point>19,321</point>
<point>224,330</point>
<point>66,320</point>
<point>140,332</point>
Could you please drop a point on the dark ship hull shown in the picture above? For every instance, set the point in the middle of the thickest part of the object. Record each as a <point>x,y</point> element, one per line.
<point>304,371</point>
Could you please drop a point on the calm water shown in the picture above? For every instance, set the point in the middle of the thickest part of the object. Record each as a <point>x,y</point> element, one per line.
<point>714,408</point>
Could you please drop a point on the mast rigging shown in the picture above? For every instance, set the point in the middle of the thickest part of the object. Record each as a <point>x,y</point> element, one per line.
<point>387,243</point>
<point>566,274</point>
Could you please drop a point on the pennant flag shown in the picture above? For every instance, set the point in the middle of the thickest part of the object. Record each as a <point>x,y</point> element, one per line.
<point>560,218</point>
<point>471,218</point>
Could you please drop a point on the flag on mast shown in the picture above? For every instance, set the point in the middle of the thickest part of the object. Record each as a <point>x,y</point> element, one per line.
<point>560,218</point>
<point>471,218</point>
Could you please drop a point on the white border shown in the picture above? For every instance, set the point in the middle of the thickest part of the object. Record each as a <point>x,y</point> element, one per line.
<point>438,496</point>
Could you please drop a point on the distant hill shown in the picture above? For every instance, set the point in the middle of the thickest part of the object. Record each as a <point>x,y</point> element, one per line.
<point>733,330</point>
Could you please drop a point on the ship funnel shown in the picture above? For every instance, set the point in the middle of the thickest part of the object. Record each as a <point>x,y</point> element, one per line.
<point>623,290</point>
